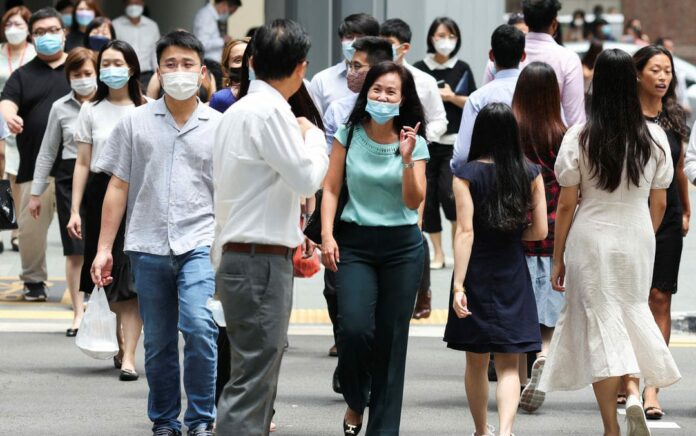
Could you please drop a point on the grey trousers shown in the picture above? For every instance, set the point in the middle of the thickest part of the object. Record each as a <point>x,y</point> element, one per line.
<point>256,295</point>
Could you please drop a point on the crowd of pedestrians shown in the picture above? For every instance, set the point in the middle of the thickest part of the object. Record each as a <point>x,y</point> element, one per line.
<point>181,167</point>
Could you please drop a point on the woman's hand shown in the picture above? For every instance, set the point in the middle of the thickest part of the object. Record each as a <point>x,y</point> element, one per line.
<point>558,275</point>
<point>685,223</point>
<point>35,206</point>
<point>407,142</point>
<point>459,304</point>
<point>446,93</point>
<point>329,253</point>
<point>75,226</point>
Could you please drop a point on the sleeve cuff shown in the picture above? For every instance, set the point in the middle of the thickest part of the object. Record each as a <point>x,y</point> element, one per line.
<point>38,188</point>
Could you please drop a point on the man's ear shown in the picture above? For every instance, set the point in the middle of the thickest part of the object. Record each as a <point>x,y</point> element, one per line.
<point>406,47</point>
<point>490,55</point>
<point>524,56</point>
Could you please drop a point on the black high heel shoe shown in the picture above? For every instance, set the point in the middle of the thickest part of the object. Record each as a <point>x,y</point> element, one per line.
<point>351,430</point>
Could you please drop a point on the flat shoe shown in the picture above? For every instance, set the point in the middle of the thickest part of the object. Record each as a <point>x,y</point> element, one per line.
<point>436,265</point>
<point>128,375</point>
<point>635,418</point>
<point>15,244</point>
<point>71,333</point>
<point>333,351</point>
<point>532,398</point>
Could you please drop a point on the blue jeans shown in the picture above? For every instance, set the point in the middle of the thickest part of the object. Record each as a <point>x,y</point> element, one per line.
<point>173,292</point>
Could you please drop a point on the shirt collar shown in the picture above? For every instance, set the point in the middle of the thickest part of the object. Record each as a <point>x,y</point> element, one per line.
<point>507,73</point>
<point>538,36</point>
<point>73,98</point>
<point>160,109</point>
<point>431,63</point>
<point>263,87</point>
<point>342,68</point>
<point>213,10</point>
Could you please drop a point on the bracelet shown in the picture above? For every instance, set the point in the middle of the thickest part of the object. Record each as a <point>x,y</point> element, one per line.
<point>408,165</point>
<point>456,289</point>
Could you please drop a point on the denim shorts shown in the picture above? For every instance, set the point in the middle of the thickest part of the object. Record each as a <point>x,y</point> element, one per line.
<point>549,302</point>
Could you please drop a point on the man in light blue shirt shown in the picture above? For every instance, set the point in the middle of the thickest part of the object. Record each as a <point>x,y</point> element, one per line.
<point>507,51</point>
<point>330,84</point>
<point>369,51</point>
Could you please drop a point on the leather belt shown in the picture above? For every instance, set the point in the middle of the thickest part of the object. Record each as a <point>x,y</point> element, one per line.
<point>252,249</point>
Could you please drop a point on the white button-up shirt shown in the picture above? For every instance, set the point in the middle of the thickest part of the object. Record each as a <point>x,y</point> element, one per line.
<point>433,107</point>
<point>499,90</point>
<point>206,29</point>
<point>169,171</point>
<point>329,85</point>
<point>261,168</point>
<point>142,36</point>
<point>690,159</point>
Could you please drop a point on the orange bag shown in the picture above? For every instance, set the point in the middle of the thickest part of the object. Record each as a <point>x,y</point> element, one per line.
<point>305,268</point>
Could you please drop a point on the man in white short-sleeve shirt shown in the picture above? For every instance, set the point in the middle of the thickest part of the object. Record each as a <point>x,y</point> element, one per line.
<point>140,32</point>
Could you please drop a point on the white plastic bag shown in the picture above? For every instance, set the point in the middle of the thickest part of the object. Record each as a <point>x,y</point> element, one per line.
<point>97,334</point>
<point>215,306</point>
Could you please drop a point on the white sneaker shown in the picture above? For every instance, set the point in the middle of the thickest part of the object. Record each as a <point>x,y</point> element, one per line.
<point>635,418</point>
<point>489,431</point>
<point>532,398</point>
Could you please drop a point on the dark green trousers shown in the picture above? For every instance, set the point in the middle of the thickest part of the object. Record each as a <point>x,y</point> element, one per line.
<point>378,277</point>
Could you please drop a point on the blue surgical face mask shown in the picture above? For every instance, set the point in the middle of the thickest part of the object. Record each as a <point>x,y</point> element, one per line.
<point>114,77</point>
<point>67,20</point>
<point>49,44</point>
<point>84,17</point>
<point>97,42</point>
<point>224,17</point>
<point>381,112</point>
<point>348,50</point>
<point>252,74</point>
<point>395,51</point>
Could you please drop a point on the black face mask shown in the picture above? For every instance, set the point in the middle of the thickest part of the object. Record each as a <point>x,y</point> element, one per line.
<point>235,74</point>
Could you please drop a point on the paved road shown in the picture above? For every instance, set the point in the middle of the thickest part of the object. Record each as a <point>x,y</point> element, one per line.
<point>48,387</point>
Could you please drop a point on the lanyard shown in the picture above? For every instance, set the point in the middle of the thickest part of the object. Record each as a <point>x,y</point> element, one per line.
<point>9,57</point>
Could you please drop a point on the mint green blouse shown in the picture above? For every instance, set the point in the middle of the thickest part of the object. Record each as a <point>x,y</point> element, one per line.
<point>374,175</point>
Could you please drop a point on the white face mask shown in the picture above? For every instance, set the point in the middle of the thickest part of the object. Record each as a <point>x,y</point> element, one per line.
<point>15,35</point>
<point>181,85</point>
<point>84,87</point>
<point>134,11</point>
<point>445,46</point>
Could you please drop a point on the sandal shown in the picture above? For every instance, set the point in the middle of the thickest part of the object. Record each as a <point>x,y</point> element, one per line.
<point>653,413</point>
<point>15,243</point>
<point>621,399</point>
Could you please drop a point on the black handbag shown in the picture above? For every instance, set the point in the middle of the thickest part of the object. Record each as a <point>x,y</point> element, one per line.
<point>313,228</point>
<point>8,213</point>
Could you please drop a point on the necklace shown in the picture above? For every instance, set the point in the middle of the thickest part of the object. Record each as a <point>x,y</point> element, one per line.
<point>9,57</point>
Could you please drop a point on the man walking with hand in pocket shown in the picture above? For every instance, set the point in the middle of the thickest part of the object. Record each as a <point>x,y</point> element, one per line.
<point>265,160</point>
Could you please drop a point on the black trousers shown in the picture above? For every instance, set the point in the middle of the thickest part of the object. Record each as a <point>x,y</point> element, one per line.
<point>439,189</point>
<point>376,286</point>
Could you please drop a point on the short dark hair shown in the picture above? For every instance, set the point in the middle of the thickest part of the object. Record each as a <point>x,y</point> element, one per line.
<point>397,28</point>
<point>507,43</point>
<point>237,3</point>
<point>278,48</point>
<point>662,39</point>
<point>539,14</point>
<point>42,14</point>
<point>180,38</point>
<point>377,49</point>
<point>359,24</point>
<point>452,26</point>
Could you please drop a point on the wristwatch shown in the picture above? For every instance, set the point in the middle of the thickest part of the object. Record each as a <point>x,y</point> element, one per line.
<point>408,165</point>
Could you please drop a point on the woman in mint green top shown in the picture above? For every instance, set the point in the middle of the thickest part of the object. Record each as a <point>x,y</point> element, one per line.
<point>377,252</point>
<point>374,174</point>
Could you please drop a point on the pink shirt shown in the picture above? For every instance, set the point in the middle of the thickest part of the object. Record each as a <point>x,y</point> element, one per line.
<point>541,47</point>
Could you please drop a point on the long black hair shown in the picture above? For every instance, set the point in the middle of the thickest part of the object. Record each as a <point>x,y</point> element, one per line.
<point>302,105</point>
<point>616,134</point>
<point>134,92</point>
<point>673,117</point>
<point>244,82</point>
<point>496,136</point>
<point>411,110</point>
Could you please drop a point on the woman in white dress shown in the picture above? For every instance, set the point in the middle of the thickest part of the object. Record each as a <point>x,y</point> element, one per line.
<point>604,252</point>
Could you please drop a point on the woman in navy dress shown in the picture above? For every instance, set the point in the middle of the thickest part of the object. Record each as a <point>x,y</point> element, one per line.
<point>493,307</point>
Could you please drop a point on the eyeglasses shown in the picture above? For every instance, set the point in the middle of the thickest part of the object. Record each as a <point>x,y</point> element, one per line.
<point>356,66</point>
<point>41,32</point>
